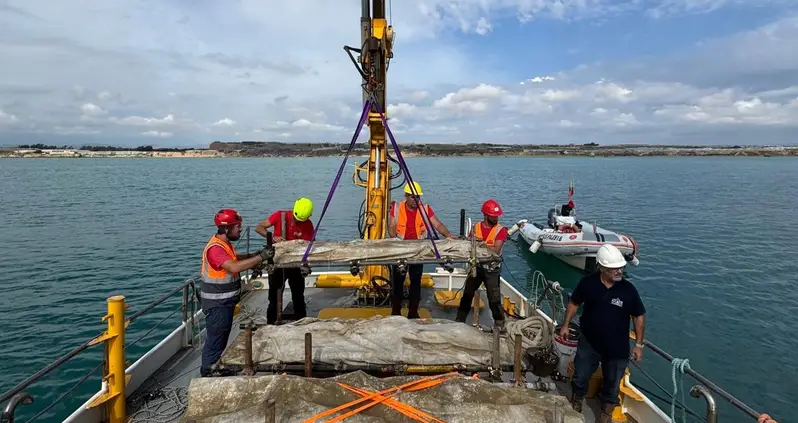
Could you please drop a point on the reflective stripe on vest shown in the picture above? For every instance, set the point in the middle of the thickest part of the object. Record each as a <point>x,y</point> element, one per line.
<point>219,285</point>
<point>401,221</point>
<point>490,241</point>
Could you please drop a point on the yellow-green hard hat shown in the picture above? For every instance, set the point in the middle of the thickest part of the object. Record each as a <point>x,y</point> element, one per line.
<point>303,209</point>
<point>416,186</point>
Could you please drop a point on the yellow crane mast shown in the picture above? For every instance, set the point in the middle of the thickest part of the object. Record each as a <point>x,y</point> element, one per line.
<point>375,54</point>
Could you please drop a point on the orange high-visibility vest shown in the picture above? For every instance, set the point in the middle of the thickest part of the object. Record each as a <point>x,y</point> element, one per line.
<point>219,287</point>
<point>490,241</point>
<point>401,221</point>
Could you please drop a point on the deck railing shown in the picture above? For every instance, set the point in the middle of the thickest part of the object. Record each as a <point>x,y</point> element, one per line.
<point>113,363</point>
<point>705,388</point>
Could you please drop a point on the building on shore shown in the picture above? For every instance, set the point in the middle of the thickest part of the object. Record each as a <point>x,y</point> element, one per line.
<point>29,152</point>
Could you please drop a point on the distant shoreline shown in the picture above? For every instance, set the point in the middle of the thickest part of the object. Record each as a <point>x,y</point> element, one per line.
<point>275,149</point>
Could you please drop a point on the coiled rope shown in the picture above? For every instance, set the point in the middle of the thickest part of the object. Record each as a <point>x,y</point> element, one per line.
<point>535,332</point>
<point>679,364</point>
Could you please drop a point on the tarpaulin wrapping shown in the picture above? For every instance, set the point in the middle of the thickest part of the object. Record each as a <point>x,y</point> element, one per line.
<point>290,253</point>
<point>296,399</point>
<point>387,340</point>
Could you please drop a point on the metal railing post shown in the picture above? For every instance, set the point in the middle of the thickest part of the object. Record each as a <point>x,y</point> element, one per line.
<point>116,359</point>
<point>8,413</point>
<point>188,331</point>
<point>712,408</point>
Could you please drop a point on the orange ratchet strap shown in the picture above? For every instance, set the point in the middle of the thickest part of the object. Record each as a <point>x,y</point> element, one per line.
<point>379,397</point>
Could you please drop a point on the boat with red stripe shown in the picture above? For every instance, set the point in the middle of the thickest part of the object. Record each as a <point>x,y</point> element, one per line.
<point>575,242</point>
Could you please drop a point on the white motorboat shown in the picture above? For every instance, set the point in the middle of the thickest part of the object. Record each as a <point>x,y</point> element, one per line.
<point>573,241</point>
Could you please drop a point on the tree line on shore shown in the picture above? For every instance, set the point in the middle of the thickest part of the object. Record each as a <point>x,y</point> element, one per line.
<point>98,148</point>
<point>260,149</point>
<point>326,149</point>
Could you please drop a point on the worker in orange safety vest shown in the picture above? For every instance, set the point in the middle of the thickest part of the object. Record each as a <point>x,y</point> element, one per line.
<point>221,284</point>
<point>406,222</point>
<point>493,235</point>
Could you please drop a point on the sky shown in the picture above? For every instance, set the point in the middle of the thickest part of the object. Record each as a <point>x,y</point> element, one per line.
<point>183,73</point>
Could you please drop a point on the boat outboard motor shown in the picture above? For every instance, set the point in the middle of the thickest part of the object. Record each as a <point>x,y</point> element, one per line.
<point>552,220</point>
<point>631,259</point>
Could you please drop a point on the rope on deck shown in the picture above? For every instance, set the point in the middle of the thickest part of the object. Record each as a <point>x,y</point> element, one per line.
<point>679,364</point>
<point>166,405</point>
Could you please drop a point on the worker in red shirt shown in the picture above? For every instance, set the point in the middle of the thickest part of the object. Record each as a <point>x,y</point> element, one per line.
<point>288,225</point>
<point>406,223</point>
<point>493,235</point>
<point>221,284</point>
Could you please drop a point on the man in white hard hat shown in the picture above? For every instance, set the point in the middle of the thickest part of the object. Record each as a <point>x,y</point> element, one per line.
<point>609,300</point>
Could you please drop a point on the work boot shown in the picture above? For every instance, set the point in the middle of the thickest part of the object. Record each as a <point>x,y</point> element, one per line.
<point>606,413</point>
<point>396,306</point>
<point>576,403</point>
<point>412,309</point>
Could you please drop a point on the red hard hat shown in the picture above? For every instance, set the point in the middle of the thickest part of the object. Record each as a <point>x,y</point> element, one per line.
<point>492,208</point>
<point>226,217</point>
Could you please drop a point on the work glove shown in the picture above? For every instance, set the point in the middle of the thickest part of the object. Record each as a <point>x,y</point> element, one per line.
<point>266,254</point>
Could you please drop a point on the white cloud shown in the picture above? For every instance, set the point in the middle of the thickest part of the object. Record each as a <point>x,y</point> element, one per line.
<point>91,109</point>
<point>75,130</point>
<point>664,8</point>
<point>565,123</point>
<point>475,99</point>
<point>157,134</point>
<point>144,121</point>
<point>130,69</point>
<point>224,122</point>
<point>728,108</point>
<point>538,79</point>
<point>418,95</point>
<point>483,27</point>
<point>401,110</point>
<point>7,117</point>
<point>315,126</point>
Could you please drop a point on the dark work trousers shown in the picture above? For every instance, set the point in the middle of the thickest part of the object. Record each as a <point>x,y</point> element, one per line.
<point>493,288</point>
<point>218,323</point>
<point>414,272</point>
<point>585,364</point>
<point>297,284</point>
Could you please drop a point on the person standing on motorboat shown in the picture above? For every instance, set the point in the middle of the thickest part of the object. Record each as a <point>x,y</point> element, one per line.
<point>609,300</point>
<point>288,225</point>
<point>407,223</point>
<point>494,235</point>
<point>566,221</point>
<point>221,284</point>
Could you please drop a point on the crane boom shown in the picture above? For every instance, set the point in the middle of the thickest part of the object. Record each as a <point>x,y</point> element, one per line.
<point>376,52</point>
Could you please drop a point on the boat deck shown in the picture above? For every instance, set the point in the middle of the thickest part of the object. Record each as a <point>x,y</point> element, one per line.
<point>163,397</point>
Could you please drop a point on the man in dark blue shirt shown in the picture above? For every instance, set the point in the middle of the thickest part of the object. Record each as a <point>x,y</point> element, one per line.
<point>609,300</point>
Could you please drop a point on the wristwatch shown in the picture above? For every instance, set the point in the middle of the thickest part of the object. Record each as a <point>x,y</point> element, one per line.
<point>637,345</point>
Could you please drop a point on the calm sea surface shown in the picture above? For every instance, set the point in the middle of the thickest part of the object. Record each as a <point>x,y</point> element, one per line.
<point>718,239</point>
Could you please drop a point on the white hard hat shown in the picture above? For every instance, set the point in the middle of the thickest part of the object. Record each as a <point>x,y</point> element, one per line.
<point>610,257</point>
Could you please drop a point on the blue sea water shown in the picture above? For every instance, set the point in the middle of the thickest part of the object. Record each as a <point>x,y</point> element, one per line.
<point>717,238</point>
